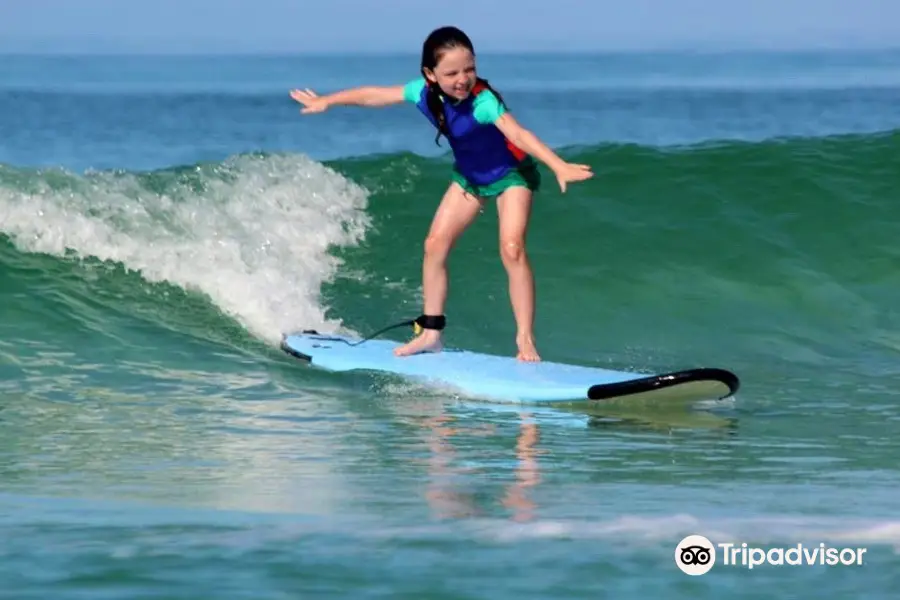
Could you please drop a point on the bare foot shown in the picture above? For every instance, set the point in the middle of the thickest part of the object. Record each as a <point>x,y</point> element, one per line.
<point>527,351</point>
<point>427,341</point>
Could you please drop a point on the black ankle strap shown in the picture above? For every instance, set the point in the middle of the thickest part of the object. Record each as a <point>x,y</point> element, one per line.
<point>431,321</point>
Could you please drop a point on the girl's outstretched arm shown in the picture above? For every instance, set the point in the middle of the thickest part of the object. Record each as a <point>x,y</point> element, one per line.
<point>523,138</point>
<point>360,96</point>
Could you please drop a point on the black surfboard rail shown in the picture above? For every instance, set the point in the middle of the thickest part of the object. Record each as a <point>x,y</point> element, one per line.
<point>295,353</point>
<point>605,391</point>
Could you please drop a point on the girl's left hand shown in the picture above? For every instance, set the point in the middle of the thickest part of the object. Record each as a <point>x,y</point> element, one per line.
<point>568,172</point>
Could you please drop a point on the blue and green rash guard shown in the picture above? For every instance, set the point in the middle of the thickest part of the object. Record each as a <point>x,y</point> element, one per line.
<point>483,154</point>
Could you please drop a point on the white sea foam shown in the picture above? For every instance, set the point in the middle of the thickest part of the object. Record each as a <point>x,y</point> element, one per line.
<point>252,233</point>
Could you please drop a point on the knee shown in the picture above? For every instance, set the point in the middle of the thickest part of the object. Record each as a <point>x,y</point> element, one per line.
<point>437,246</point>
<point>512,251</point>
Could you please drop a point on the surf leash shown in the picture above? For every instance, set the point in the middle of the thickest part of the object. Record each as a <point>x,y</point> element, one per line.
<point>409,323</point>
<point>418,324</point>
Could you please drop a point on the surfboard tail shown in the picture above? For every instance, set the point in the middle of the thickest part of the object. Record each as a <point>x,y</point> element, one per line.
<point>721,384</point>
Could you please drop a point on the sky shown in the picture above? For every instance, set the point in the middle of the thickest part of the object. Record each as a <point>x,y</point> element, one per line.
<point>313,26</point>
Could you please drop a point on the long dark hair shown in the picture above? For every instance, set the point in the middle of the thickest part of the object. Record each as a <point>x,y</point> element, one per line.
<point>436,44</point>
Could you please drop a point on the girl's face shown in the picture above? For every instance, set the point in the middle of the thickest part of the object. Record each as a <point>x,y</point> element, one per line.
<point>454,72</point>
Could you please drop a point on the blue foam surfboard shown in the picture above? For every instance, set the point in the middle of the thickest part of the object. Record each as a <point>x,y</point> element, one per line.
<point>502,378</point>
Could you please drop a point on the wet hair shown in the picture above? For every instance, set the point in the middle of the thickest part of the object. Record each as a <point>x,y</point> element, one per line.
<point>436,44</point>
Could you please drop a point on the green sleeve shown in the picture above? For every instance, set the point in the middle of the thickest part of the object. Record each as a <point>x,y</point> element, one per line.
<point>487,108</point>
<point>412,91</point>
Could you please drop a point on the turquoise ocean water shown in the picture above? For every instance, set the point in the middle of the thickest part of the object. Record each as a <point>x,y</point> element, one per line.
<point>164,219</point>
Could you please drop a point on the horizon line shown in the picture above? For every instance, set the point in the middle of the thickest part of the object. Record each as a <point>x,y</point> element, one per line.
<point>496,51</point>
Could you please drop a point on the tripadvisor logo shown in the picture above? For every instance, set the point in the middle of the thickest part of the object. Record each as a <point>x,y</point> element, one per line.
<point>696,555</point>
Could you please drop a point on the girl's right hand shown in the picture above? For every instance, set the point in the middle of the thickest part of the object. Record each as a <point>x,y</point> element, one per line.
<point>311,101</point>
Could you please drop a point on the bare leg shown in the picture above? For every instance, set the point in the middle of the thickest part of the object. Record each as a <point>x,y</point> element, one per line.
<point>514,206</point>
<point>456,212</point>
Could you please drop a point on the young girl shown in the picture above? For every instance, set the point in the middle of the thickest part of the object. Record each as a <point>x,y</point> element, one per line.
<point>493,159</point>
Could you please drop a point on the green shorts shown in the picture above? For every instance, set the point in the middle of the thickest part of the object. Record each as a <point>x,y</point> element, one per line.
<point>525,175</point>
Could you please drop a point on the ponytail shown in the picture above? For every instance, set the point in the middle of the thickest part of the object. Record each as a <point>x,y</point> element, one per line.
<point>435,103</point>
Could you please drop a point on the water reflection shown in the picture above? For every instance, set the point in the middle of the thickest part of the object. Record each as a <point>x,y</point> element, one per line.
<point>446,492</point>
<point>527,473</point>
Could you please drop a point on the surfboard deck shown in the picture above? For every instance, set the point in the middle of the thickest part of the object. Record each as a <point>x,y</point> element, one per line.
<point>506,379</point>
